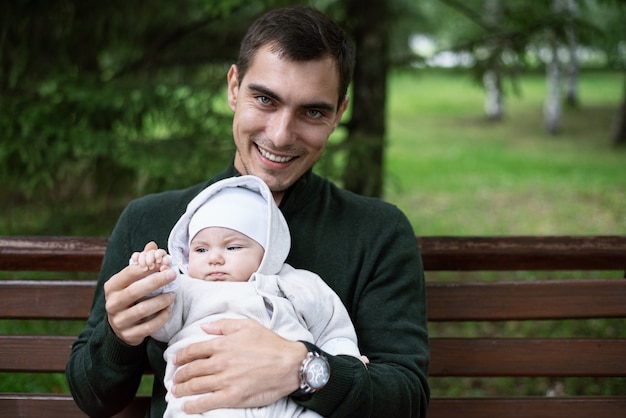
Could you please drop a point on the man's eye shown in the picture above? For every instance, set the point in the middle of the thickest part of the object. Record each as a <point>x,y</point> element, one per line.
<point>313,113</point>
<point>264,100</point>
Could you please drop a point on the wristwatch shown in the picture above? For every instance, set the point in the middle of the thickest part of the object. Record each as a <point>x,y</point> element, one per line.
<point>314,372</point>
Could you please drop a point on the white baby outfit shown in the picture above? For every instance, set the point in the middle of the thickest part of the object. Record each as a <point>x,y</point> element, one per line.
<point>296,304</point>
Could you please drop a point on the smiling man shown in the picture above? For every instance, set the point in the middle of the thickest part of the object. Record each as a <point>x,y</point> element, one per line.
<point>287,93</point>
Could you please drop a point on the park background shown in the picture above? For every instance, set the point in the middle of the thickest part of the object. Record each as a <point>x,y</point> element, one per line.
<point>102,102</point>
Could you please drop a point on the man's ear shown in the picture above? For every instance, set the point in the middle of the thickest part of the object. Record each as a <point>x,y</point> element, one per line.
<point>341,111</point>
<point>233,86</point>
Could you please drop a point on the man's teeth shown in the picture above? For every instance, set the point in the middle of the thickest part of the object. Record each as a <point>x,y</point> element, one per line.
<point>274,158</point>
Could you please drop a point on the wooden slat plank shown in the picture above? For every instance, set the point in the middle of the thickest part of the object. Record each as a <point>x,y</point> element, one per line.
<point>32,406</point>
<point>449,356</point>
<point>20,405</point>
<point>493,357</point>
<point>34,353</point>
<point>555,299</point>
<point>36,406</point>
<point>528,407</point>
<point>438,253</point>
<point>46,299</point>
<point>31,253</point>
<point>524,253</point>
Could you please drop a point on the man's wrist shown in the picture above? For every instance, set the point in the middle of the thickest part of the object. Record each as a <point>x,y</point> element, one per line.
<point>314,372</point>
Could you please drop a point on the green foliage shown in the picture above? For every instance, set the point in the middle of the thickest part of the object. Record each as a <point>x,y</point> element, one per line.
<point>512,35</point>
<point>107,99</point>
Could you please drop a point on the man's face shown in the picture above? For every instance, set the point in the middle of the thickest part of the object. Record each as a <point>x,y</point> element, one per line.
<point>284,113</point>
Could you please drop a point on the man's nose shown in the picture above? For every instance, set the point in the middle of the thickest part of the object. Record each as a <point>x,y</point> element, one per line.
<point>281,128</point>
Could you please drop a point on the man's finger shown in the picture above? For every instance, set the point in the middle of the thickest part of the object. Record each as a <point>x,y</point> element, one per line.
<point>207,402</point>
<point>195,351</point>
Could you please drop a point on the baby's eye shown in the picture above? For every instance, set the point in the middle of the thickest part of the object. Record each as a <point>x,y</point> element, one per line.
<point>200,250</point>
<point>233,247</point>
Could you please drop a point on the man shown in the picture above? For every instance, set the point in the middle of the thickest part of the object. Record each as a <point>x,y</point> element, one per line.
<point>288,93</point>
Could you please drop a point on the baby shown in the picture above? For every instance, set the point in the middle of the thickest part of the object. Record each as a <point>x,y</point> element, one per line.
<point>230,247</point>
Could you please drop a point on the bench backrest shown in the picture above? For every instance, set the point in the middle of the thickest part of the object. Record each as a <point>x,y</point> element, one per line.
<point>457,299</point>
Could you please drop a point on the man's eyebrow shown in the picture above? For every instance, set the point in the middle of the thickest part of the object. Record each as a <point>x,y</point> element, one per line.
<point>267,92</point>
<point>264,91</point>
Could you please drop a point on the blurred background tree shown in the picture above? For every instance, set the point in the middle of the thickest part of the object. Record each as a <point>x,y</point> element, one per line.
<point>499,39</point>
<point>105,101</point>
<point>108,99</point>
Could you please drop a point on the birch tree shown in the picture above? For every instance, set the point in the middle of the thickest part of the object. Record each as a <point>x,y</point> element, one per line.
<point>571,94</point>
<point>492,77</point>
<point>552,103</point>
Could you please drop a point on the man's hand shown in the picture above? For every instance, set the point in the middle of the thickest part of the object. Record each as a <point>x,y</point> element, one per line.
<point>131,316</point>
<point>247,366</point>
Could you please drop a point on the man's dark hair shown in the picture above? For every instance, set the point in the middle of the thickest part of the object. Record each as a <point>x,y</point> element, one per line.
<point>299,34</point>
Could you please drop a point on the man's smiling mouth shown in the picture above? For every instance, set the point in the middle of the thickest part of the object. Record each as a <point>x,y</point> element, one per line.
<point>274,158</point>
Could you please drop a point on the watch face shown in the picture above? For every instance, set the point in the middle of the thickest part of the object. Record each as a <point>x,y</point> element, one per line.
<point>317,373</point>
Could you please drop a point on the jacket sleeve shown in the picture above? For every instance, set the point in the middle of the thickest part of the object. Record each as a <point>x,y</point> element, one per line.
<point>103,372</point>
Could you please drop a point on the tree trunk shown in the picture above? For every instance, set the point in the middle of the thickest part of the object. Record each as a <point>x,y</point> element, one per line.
<point>363,173</point>
<point>619,134</point>
<point>494,102</point>
<point>571,95</point>
<point>552,106</point>
<point>494,107</point>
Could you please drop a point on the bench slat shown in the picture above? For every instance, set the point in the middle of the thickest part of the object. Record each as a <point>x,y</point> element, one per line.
<point>488,357</point>
<point>524,253</point>
<point>34,353</point>
<point>46,299</point>
<point>476,301</point>
<point>527,407</point>
<point>554,299</point>
<point>494,357</point>
<point>30,253</point>
<point>16,405</point>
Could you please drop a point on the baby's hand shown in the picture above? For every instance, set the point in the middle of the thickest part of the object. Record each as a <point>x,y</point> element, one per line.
<point>156,260</point>
<point>151,260</point>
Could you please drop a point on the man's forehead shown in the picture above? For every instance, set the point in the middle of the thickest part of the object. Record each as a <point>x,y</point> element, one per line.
<point>316,80</point>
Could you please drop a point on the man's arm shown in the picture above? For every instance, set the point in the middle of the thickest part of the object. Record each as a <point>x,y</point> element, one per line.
<point>389,313</point>
<point>106,362</point>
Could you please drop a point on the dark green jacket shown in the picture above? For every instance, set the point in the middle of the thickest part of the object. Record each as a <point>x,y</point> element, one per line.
<point>364,248</point>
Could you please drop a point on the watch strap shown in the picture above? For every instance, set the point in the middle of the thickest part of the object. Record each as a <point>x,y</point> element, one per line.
<point>311,348</point>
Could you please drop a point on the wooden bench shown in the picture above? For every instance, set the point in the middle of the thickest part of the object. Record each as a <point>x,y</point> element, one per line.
<point>457,293</point>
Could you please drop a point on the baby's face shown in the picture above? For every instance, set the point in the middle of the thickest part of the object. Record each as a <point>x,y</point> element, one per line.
<point>223,254</point>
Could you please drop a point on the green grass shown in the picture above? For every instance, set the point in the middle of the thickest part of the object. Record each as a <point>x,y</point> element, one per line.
<point>455,173</point>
